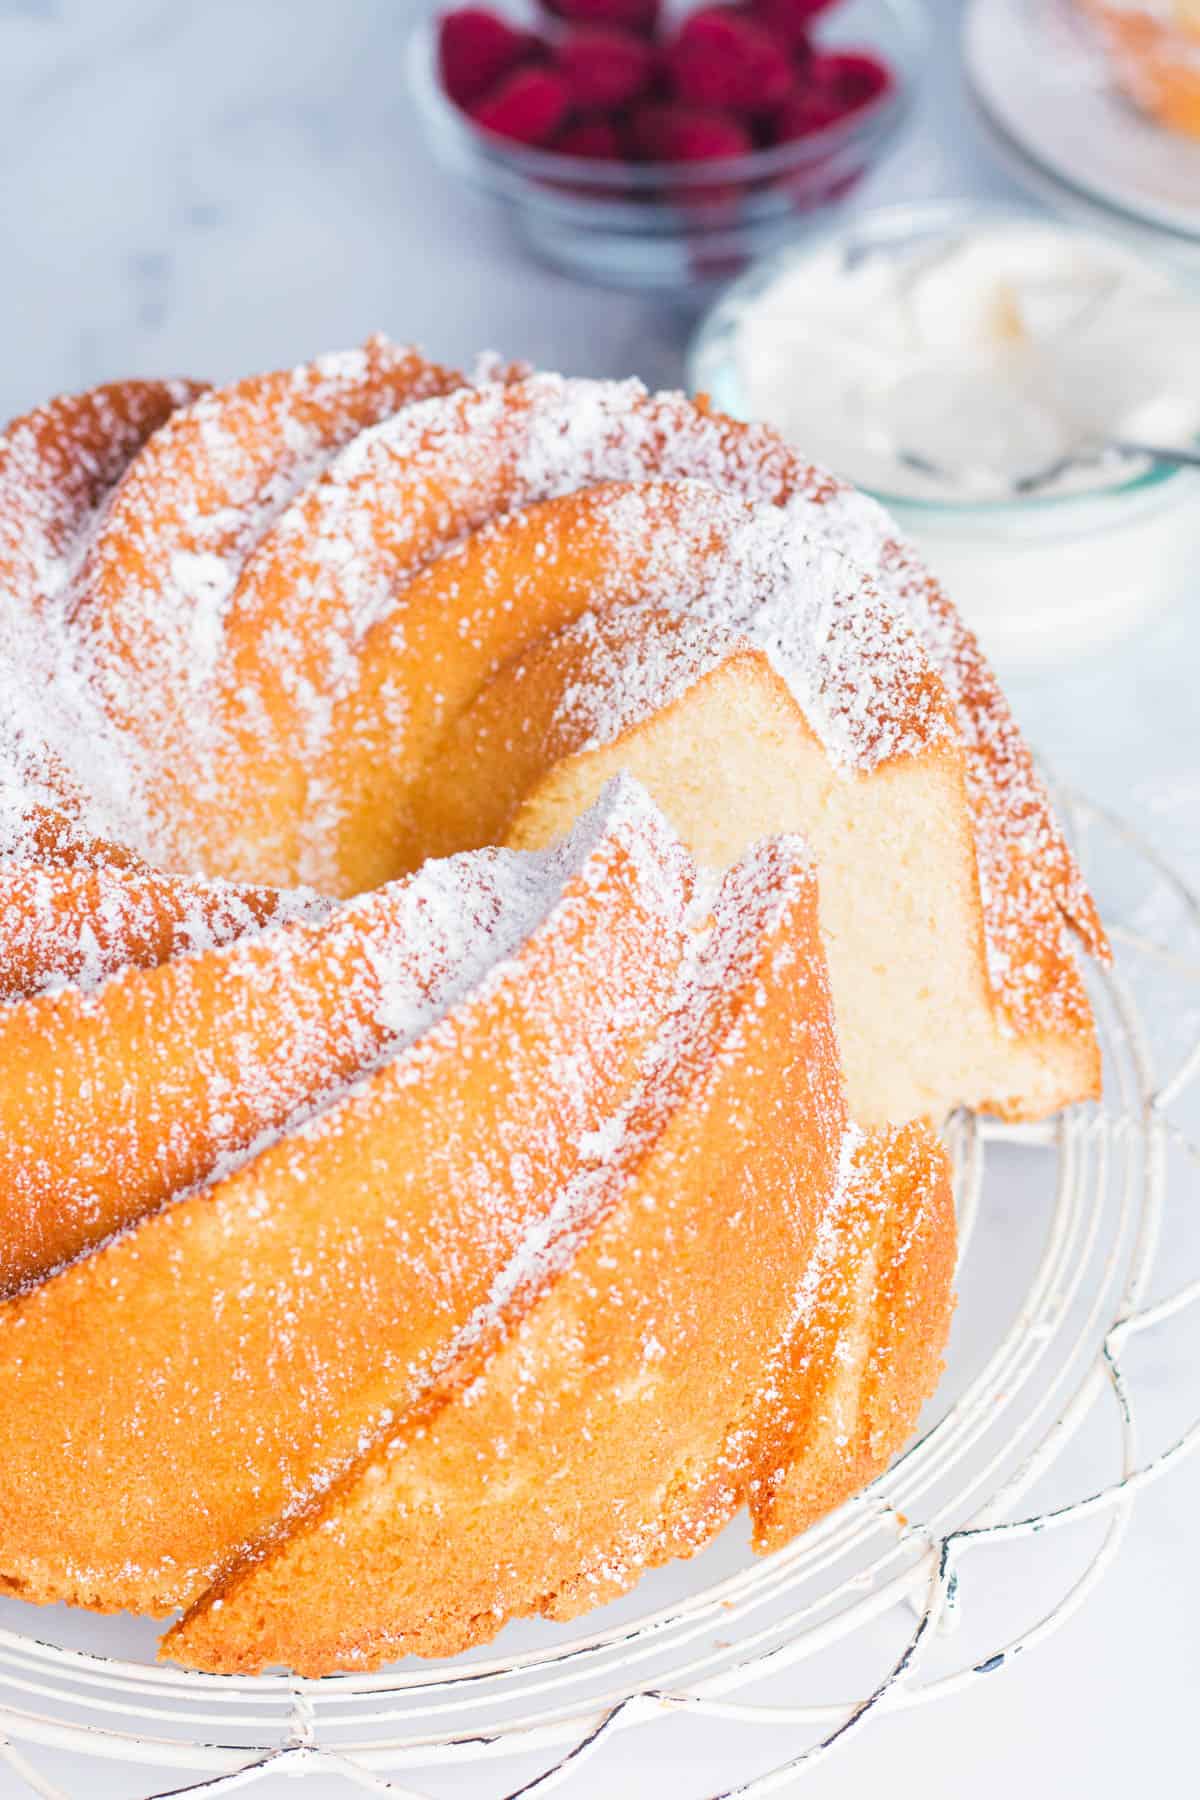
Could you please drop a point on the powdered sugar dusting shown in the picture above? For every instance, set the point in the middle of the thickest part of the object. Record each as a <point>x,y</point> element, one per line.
<point>235,502</point>
<point>314,1289</point>
<point>852,661</point>
<point>630,668</point>
<point>117,594</point>
<point>246,579</point>
<point>762,890</point>
<point>76,926</point>
<point>325,1150</point>
<point>894,668</point>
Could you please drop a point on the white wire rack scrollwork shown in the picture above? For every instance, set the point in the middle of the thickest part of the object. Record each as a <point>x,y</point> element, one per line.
<point>1075,1244</point>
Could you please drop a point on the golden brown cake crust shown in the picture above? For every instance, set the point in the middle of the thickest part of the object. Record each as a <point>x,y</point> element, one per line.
<point>282,540</point>
<point>387,1250</point>
<point>282,1316</point>
<point>649,1391</point>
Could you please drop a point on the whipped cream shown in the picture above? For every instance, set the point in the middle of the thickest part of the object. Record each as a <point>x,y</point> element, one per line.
<point>1009,352</point>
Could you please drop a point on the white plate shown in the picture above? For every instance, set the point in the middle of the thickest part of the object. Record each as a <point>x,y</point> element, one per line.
<point>1178,251</point>
<point>1034,70</point>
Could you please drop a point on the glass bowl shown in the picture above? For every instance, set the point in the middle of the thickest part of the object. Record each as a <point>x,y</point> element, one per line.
<point>1043,579</point>
<point>676,227</point>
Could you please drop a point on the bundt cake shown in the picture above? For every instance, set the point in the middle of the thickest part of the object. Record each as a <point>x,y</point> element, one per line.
<point>490,872</point>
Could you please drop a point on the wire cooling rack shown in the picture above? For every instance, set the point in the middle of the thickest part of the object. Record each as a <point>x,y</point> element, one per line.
<point>1076,1239</point>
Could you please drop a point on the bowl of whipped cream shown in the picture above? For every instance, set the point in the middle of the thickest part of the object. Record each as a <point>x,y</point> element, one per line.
<point>984,373</point>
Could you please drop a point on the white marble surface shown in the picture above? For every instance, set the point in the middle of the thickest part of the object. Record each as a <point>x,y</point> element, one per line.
<point>220,187</point>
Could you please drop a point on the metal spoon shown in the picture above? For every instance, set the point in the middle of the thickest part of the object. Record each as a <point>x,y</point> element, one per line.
<point>1170,454</point>
<point>1027,484</point>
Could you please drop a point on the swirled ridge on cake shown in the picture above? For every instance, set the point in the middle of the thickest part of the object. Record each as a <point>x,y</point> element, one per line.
<point>398,1173</point>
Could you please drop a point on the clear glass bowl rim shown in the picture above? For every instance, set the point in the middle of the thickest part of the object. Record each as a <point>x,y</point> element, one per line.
<point>710,349</point>
<point>522,165</point>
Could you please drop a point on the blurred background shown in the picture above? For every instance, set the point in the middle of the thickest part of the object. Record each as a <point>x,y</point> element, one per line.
<point>219,188</point>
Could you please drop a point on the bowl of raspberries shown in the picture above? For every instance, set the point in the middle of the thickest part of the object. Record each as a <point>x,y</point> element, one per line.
<point>664,146</point>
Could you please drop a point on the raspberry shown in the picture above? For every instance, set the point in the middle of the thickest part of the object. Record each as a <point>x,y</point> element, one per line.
<point>528,106</point>
<point>686,134</point>
<point>633,15</point>
<point>850,78</point>
<point>722,58</point>
<point>804,113</point>
<point>476,49</point>
<point>788,20</point>
<point>605,68</point>
<point>597,140</point>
